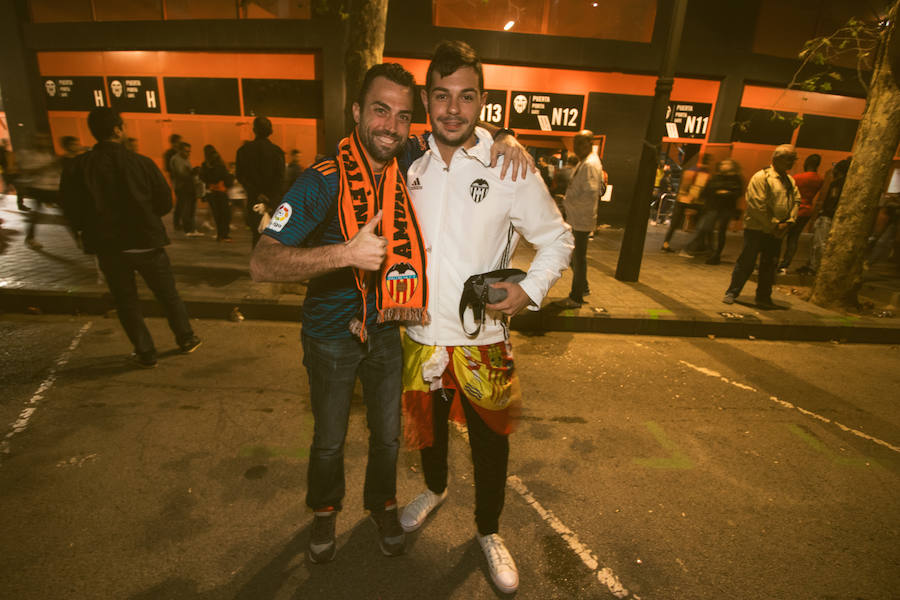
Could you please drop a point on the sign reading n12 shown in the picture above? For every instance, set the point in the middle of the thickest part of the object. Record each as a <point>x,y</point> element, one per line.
<point>493,111</point>
<point>687,119</point>
<point>546,112</point>
<point>134,94</point>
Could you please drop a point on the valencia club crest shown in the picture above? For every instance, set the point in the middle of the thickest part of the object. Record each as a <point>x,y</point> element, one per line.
<point>402,281</point>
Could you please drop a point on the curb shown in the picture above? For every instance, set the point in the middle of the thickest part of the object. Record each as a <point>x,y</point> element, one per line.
<point>23,301</point>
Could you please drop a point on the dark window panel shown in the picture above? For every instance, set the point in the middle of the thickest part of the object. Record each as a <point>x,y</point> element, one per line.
<point>60,11</point>
<point>201,9</point>
<point>760,126</point>
<point>128,10</point>
<point>827,133</point>
<point>283,98</point>
<point>202,96</point>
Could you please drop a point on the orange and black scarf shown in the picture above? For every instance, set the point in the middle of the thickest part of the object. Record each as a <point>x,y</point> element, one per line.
<point>401,290</point>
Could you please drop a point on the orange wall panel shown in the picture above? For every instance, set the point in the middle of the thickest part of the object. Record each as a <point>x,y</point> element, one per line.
<point>179,64</point>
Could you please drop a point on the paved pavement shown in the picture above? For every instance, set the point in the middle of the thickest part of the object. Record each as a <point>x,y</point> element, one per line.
<point>675,295</point>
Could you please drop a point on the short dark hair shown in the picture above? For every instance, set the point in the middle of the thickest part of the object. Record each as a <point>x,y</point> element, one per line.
<point>262,127</point>
<point>102,122</point>
<point>812,162</point>
<point>183,145</point>
<point>390,71</point>
<point>65,140</point>
<point>450,57</point>
<point>174,138</point>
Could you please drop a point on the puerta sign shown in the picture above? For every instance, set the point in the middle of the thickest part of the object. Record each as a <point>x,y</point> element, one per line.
<point>133,94</point>
<point>493,110</point>
<point>546,112</point>
<point>687,119</point>
<point>73,93</point>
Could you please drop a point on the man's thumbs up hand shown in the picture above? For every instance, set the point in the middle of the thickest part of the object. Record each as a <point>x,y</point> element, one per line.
<point>367,250</point>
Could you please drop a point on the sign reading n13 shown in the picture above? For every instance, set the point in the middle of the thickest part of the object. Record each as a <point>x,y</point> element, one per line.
<point>493,111</point>
<point>687,120</point>
<point>546,112</point>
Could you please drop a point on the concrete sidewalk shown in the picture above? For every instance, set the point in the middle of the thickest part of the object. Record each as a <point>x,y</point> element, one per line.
<point>675,295</point>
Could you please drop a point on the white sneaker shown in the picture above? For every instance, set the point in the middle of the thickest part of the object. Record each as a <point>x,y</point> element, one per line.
<point>416,511</point>
<point>503,567</point>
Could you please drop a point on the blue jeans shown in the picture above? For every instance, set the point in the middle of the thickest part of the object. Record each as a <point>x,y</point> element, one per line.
<point>332,366</point>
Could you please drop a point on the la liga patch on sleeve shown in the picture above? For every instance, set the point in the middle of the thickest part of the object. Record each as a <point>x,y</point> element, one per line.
<point>281,217</point>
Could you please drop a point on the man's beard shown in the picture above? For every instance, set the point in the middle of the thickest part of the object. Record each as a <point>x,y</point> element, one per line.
<point>380,154</point>
<point>463,135</point>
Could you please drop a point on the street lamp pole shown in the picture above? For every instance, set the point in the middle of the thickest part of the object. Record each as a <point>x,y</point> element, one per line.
<point>632,250</point>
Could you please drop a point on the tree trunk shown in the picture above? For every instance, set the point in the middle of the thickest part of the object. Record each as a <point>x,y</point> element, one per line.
<point>365,45</point>
<point>838,278</point>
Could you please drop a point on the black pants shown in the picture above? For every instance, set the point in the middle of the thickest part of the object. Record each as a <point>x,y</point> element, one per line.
<point>40,198</point>
<point>185,208</point>
<point>490,455</point>
<point>221,210</point>
<point>793,238</point>
<point>579,266</point>
<point>252,219</point>
<point>119,269</point>
<point>767,247</point>
<point>716,218</point>
<point>677,218</point>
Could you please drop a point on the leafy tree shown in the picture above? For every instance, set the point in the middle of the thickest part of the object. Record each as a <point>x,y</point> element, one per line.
<point>366,21</point>
<point>839,275</point>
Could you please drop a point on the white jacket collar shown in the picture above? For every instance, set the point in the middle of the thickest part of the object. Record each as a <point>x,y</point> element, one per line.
<point>481,150</point>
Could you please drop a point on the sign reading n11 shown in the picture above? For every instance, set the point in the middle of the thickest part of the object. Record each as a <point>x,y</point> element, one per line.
<point>546,112</point>
<point>687,119</point>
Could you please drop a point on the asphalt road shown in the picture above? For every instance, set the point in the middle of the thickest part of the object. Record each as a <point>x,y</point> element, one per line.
<point>653,468</point>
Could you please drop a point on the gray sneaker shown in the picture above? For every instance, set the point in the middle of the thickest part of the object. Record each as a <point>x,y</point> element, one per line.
<point>321,539</point>
<point>390,534</point>
<point>728,299</point>
<point>418,510</point>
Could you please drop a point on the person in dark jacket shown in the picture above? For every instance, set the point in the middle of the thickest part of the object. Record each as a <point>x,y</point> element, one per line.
<point>720,196</point>
<point>215,175</point>
<point>260,169</point>
<point>114,200</point>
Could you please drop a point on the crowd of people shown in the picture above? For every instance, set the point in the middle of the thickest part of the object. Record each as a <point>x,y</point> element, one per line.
<point>34,174</point>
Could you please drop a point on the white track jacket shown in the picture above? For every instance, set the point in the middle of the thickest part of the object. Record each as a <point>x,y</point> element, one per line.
<point>464,211</point>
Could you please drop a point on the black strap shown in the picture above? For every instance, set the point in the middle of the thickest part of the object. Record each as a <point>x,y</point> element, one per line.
<point>468,297</point>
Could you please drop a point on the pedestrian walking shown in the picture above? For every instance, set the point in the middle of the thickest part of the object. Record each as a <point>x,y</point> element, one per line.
<point>215,175</point>
<point>182,174</point>
<point>772,204</point>
<point>114,200</point>
<point>719,199</point>
<point>38,179</point>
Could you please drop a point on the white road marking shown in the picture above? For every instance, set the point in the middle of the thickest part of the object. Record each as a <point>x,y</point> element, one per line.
<point>786,404</point>
<point>31,406</point>
<point>604,575</point>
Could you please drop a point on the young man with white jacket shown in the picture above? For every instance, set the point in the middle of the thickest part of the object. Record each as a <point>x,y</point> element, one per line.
<point>471,221</point>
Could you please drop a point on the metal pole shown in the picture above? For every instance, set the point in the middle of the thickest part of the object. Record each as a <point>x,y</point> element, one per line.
<point>632,250</point>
